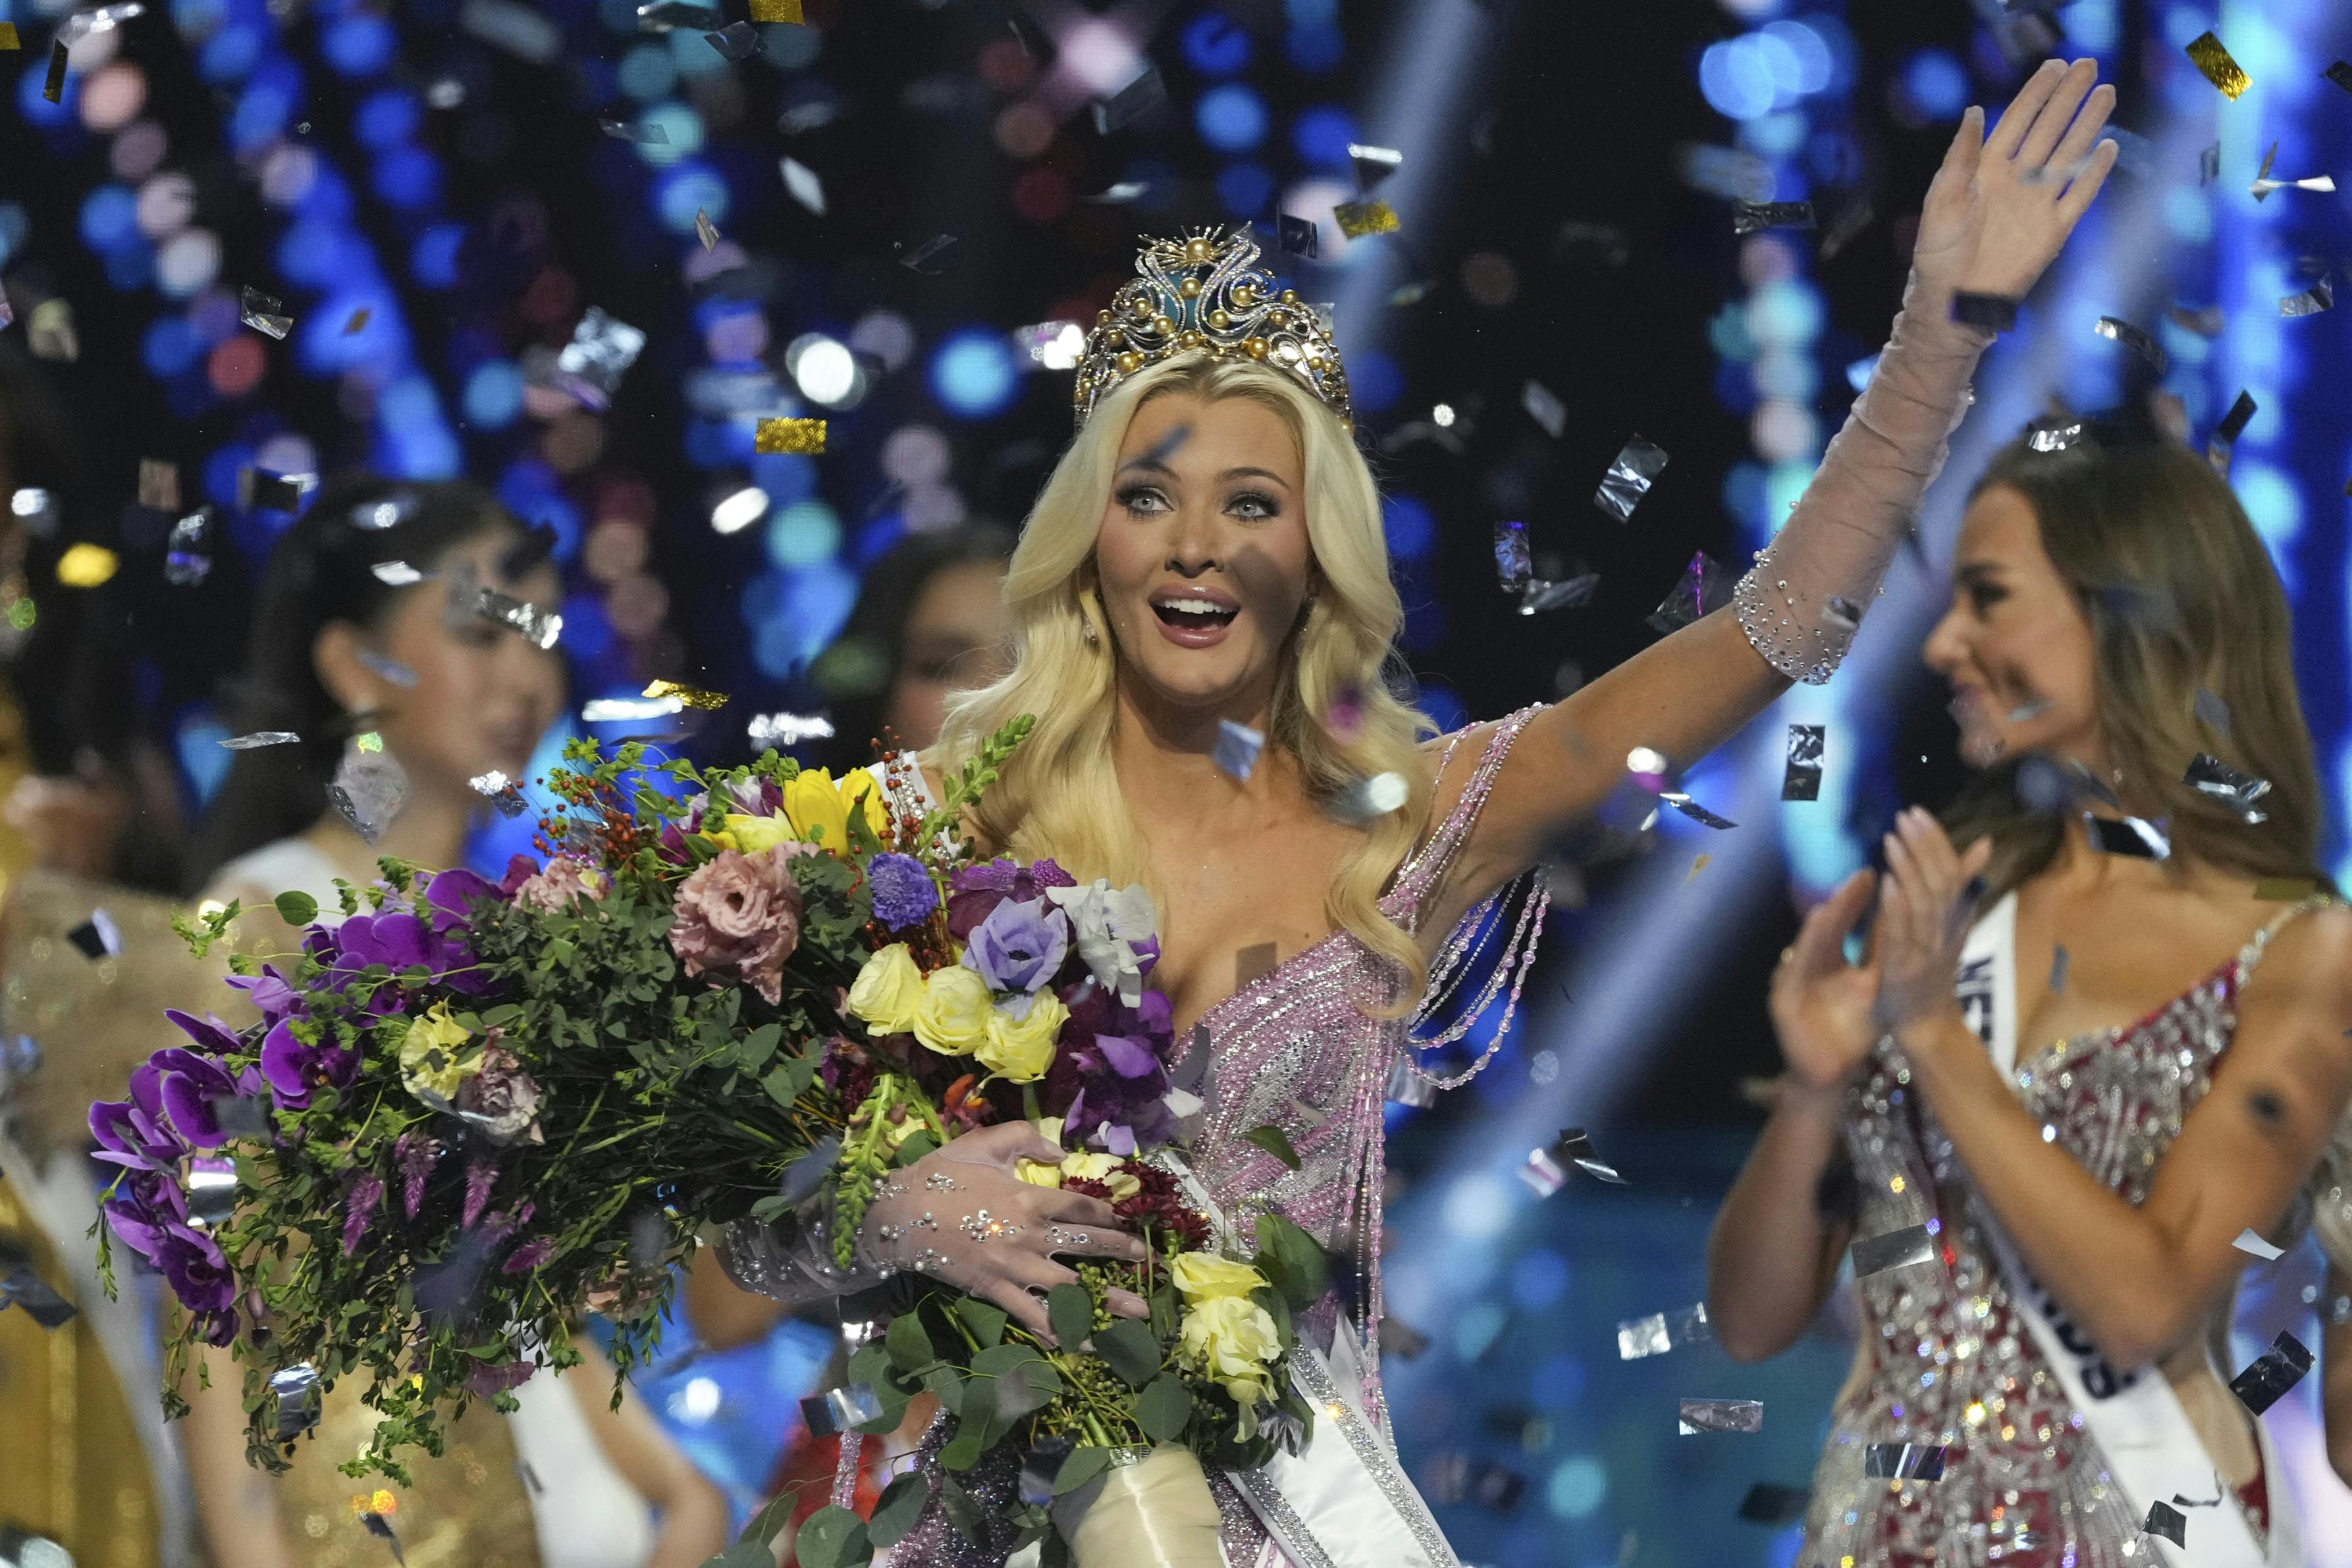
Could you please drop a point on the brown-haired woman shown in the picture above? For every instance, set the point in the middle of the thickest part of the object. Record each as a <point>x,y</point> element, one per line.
<point>2077,1104</point>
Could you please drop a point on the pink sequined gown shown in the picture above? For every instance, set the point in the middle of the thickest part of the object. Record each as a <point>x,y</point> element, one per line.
<point>1296,1049</point>
<point>1945,1359</point>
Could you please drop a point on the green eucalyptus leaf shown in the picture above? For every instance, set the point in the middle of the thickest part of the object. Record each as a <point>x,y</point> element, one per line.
<point>1291,1260</point>
<point>900,1505</point>
<point>908,1343</point>
<point>1083,1466</point>
<point>1131,1349</point>
<point>985,1321</point>
<point>1275,1142</point>
<point>788,1079</point>
<point>753,1050</point>
<point>1072,1314</point>
<point>1165,1408</point>
<point>916,1145</point>
<point>965,1449</point>
<point>832,1537</point>
<point>296,908</point>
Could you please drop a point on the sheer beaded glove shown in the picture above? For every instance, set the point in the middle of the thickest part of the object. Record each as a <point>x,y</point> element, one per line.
<point>1996,216</point>
<point>963,1216</point>
<point>789,1259</point>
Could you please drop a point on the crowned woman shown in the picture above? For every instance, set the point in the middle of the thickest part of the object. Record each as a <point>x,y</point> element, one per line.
<point>1203,613</point>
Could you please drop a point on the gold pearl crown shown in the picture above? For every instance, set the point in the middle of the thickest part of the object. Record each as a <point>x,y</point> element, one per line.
<point>1206,294</point>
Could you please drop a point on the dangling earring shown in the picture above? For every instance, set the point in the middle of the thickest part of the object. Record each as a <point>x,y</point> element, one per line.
<point>1086,628</point>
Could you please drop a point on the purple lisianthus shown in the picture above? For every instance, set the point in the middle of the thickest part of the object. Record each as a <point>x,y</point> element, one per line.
<point>520,869</point>
<point>450,897</point>
<point>976,891</point>
<point>904,895</point>
<point>1020,946</point>
<point>295,1069</point>
<point>1109,1081</point>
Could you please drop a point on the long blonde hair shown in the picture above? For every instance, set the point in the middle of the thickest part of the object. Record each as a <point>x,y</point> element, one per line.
<point>1059,795</point>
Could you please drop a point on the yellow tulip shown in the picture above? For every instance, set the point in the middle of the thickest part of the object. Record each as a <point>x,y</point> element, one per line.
<point>818,806</point>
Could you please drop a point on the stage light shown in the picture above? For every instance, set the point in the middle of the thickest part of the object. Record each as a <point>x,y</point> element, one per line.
<point>112,96</point>
<point>1784,432</point>
<point>803,534</point>
<point>1811,60</point>
<point>187,265</point>
<point>1230,118</point>
<point>493,395</point>
<point>109,218</point>
<point>1098,55</point>
<point>1736,82</point>
<point>230,54</point>
<point>165,204</point>
<point>359,43</point>
<point>687,188</point>
<point>1245,189</point>
<point>886,335</point>
<point>1217,46</point>
<point>681,124</point>
<point>973,375</point>
<point>736,512</point>
<point>917,454</point>
<point>408,178</point>
<point>1320,136</point>
<point>825,370</point>
<point>1577,1487</point>
<point>387,118</point>
<point>169,348</point>
<point>1785,313</point>
<point>811,604</point>
<point>1934,84</point>
<point>1375,381</point>
<point>1315,50</point>
<point>433,260</point>
<point>1410,527</point>
<point>649,71</point>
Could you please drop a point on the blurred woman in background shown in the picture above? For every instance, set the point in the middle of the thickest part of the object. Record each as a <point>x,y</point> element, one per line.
<point>377,645</point>
<point>2056,1125</point>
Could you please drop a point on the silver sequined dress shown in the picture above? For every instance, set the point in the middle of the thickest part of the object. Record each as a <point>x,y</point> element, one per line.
<point>1296,1049</point>
<point>1945,1360</point>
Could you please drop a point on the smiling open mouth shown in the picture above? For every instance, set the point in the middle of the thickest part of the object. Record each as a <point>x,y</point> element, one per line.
<point>1193,614</point>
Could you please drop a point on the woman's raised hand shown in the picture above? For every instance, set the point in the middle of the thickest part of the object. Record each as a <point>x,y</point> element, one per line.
<point>1822,1005</point>
<point>2002,206</point>
<point>962,1215</point>
<point>1924,910</point>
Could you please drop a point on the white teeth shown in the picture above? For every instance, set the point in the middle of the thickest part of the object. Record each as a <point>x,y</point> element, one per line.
<point>1196,606</point>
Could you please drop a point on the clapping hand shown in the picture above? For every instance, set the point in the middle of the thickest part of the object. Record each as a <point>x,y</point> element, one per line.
<point>1926,904</point>
<point>2001,206</point>
<point>1822,1005</point>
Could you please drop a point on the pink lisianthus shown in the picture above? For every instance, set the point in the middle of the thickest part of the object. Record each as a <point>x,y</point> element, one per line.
<point>742,912</point>
<point>563,882</point>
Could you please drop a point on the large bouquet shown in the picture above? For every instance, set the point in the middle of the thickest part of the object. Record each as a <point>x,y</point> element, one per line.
<point>469,1108</point>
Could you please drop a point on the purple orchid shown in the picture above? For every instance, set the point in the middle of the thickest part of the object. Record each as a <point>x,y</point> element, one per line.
<point>450,897</point>
<point>155,1226</point>
<point>1019,947</point>
<point>294,1069</point>
<point>976,891</point>
<point>191,1085</point>
<point>137,1133</point>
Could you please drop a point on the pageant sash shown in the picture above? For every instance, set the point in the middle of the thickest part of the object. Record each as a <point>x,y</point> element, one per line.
<point>2153,1452</point>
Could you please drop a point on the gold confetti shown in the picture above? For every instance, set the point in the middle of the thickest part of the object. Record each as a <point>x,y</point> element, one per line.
<point>1698,866</point>
<point>87,565</point>
<point>8,40</point>
<point>1357,219</point>
<point>777,11</point>
<point>798,437</point>
<point>2284,889</point>
<point>692,697</point>
<point>359,320</point>
<point>2219,70</point>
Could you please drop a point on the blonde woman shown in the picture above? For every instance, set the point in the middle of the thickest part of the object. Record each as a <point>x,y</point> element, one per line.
<point>1205,567</point>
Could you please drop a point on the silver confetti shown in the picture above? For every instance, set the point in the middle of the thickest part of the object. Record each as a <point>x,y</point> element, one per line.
<point>2133,836</point>
<point>1892,1249</point>
<point>396,573</point>
<point>1663,1331</point>
<point>98,936</point>
<point>788,730</point>
<point>515,27</point>
<point>2213,711</point>
<point>369,789</point>
<point>211,1187</point>
<point>1703,588</point>
<point>1753,218</point>
<point>1903,1462</point>
<point>539,627</point>
<point>649,133</point>
<point>99,20</point>
<point>296,1389</point>
<point>2136,340</point>
<point>2165,1520</point>
<point>1546,1170</point>
<point>1694,810</point>
<point>2251,1242</point>
<point>1373,164</point>
<point>933,256</point>
<point>1237,749</point>
<point>628,710</point>
<point>500,791</point>
<point>21,1287</point>
<point>1119,194</point>
<point>838,1410</point>
<point>2054,434</point>
<point>705,230</point>
<point>262,313</point>
<point>2319,296</point>
<point>1131,102</point>
<point>2273,1373</point>
<point>1540,594</point>
<point>2264,185</point>
<point>1721,1416</point>
<point>736,41</point>
<point>1638,463</point>
<point>601,351</point>
<point>2212,776</point>
<point>1514,567</point>
<point>258,739</point>
<point>1409,1087</point>
<point>187,554</point>
<point>1801,777</point>
<point>1543,406</point>
<point>385,668</point>
<point>801,182</point>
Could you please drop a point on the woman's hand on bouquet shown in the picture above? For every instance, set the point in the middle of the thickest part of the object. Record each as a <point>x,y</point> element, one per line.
<point>1821,1006</point>
<point>963,1216</point>
<point>2001,205</point>
<point>1925,906</point>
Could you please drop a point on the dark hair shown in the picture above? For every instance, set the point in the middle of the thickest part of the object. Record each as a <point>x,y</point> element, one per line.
<point>324,571</point>
<point>855,673</point>
<point>2181,596</point>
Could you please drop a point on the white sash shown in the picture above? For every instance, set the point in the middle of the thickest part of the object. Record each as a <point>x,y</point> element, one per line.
<point>2134,1415</point>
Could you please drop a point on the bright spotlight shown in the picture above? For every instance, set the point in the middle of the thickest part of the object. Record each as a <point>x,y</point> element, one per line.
<point>739,510</point>
<point>825,370</point>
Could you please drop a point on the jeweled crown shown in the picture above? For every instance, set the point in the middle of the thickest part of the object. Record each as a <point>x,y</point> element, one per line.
<point>1206,294</point>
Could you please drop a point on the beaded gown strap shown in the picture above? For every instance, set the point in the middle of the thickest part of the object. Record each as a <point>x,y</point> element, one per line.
<point>1468,955</point>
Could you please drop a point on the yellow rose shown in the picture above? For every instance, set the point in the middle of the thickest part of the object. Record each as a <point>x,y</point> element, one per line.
<point>1107,1169</point>
<point>1020,1049</point>
<point>953,1016</point>
<point>430,1061</point>
<point>818,808</point>
<point>1042,1173</point>
<point>1204,1275</point>
<point>1231,1339</point>
<point>750,835</point>
<point>887,990</point>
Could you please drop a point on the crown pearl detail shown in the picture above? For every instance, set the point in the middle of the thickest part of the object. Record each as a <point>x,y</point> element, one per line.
<point>1205,294</point>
